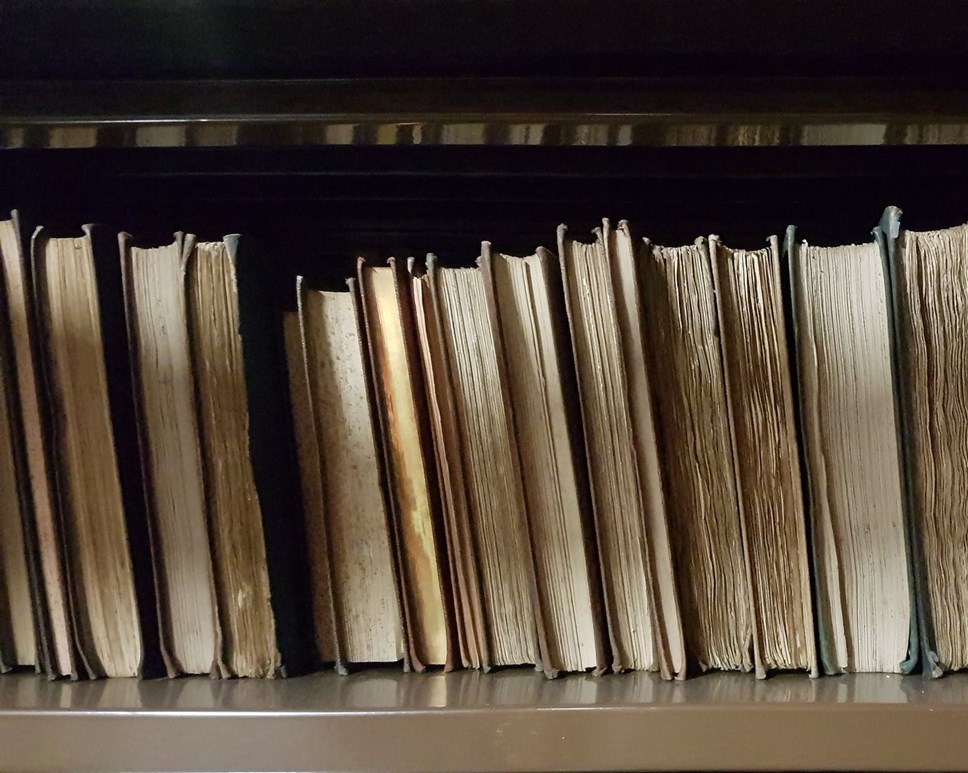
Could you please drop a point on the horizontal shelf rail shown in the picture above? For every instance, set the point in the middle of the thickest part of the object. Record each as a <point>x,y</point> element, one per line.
<point>670,112</point>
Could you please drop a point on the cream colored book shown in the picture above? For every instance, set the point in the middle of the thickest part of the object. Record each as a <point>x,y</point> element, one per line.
<point>841,306</point>
<point>405,438</point>
<point>540,384</point>
<point>490,465</point>
<point>601,294</point>
<point>462,558</point>
<point>762,413</point>
<point>157,320</point>
<point>368,621</point>
<point>249,461</point>
<point>80,311</point>
<point>55,627</point>
<point>929,272</point>
<point>697,456</point>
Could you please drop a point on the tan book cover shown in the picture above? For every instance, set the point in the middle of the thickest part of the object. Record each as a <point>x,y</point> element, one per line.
<point>539,381</point>
<point>407,444</point>
<point>55,625</point>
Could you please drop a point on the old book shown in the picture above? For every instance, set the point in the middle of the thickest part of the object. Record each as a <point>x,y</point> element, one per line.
<point>444,429</point>
<point>624,483</point>
<point>368,622</point>
<point>311,486</point>
<point>54,623</point>
<point>157,318</point>
<point>17,641</point>
<point>249,461</point>
<point>490,465</point>
<point>762,411</point>
<point>541,387</point>
<point>80,309</point>
<point>407,444</point>
<point>623,258</point>
<point>928,271</point>
<point>849,415</point>
<point>694,429</point>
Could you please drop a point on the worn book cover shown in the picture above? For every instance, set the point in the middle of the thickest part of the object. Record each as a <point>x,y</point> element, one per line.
<point>101,279</point>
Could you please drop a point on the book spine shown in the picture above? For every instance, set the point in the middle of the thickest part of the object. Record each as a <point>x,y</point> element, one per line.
<point>921,643</point>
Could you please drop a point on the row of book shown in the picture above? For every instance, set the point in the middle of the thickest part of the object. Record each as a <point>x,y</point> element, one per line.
<point>620,457</point>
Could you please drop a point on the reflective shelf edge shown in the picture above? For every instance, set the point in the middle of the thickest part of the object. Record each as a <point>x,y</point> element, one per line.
<point>511,720</point>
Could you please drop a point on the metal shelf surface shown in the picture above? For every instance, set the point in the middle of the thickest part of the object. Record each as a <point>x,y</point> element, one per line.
<point>381,719</point>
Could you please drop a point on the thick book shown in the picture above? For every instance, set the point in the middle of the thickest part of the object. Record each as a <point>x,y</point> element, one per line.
<point>55,630</point>
<point>416,505</point>
<point>489,465</point>
<point>850,421</point>
<point>80,311</point>
<point>702,500</point>
<point>601,299</point>
<point>250,466</point>
<point>448,457</point>
<point>927,270</point>
<point>528,300</point>
<point>18,632</point>
<point>762,411</point>
<point>168,430</point>
<point>361,555</point>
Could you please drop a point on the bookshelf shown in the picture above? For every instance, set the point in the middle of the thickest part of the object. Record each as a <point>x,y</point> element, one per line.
<point>511,720</point>
<point>327,162</point>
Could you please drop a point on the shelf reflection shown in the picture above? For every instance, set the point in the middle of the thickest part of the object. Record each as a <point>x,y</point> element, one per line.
<point>386,689</point>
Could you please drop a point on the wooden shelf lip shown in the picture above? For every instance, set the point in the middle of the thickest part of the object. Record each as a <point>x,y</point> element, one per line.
<point>511,720</point>
<point>741,112</point>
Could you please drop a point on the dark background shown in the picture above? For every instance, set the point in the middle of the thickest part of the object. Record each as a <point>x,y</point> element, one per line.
<point>320,207</point>
<point>342,38</point>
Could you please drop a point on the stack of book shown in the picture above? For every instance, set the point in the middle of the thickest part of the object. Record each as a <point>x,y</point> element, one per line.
<point>620,457</point>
